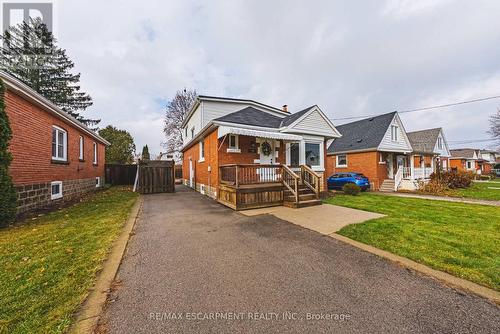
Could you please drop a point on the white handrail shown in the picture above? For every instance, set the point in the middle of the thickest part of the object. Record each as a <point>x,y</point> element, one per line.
<point>397,178</point>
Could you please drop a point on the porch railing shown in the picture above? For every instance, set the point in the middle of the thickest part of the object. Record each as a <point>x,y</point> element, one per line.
<point>239,175</point>
<point>418,173</point>
<point>310,179</point>
<point>398,178</point>
<point>291,182</point>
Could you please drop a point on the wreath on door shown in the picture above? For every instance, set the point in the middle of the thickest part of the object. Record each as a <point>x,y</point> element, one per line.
<point>266,148</point>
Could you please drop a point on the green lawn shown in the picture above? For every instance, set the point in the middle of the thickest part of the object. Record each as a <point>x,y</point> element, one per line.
<point>461,239</point>
<point>481,190</point>
<point>48,265</point>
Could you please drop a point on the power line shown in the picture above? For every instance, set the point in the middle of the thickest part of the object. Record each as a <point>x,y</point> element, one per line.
<point>426,108</point>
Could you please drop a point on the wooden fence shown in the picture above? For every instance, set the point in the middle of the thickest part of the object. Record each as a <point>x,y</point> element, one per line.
<point>118,174</point>
<point>156,177</point>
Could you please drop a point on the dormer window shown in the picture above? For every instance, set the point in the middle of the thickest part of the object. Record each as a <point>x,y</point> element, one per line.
<point>394,132</point>
<point>440,143</point>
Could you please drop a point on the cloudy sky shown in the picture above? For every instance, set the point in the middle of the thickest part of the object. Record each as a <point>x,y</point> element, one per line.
<point>350,57</point>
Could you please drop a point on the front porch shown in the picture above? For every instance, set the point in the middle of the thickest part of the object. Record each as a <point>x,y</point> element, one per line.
<point>250,186</point>
<point>406,171</point>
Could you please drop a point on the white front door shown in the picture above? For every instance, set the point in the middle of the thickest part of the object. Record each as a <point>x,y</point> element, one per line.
<point>267,152</point>
<point>191,174</point>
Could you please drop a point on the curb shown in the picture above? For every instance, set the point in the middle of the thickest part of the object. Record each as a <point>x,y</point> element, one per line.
<point>88,314</point>
<point>445,278</point>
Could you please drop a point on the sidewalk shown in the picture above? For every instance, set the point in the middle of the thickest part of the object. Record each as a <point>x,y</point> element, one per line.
<point>443,198</point>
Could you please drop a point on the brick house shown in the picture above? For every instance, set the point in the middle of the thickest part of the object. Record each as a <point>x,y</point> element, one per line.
<point>55,157</point>
<point>471,160</point>
<point>381,149</point>
<point>248,154</point>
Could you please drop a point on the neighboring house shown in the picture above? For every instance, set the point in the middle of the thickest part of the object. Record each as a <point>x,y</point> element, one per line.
<point>247,154</point>
<point>55,157</point>
<point>491,158</point>
<point>176,156</point>
<point>381,149</point>
<point>469,159</point>
<point>430,149</point>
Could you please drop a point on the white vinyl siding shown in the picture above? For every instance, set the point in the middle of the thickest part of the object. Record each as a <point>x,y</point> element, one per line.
<point>313,123</point>
<point>193,123</point>
<point>443,151</point>
<point>59,144</point>
<point>401,145</point>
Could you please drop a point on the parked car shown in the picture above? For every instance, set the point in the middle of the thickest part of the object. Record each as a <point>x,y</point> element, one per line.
<point>338,180</point>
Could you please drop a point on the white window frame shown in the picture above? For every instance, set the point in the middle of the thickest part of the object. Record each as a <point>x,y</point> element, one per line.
<point>58,195</point>
<point>95,161</point>
<point>202,150</point>
<point>81,147</point>
<point>65,144</point>
<point>471,165</point>
<point>97,181</point>
<point>337,161</point>
<point>236,148</point>
<point>320,148</point>
<point>394,132</point>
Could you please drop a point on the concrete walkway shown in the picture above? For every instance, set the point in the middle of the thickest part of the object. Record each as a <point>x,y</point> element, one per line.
<point>443,198</point>
<point>194,266</point>
<point>325,219</point>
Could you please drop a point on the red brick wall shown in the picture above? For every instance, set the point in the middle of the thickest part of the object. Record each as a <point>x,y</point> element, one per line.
<point>31,146</point>
<point>362,162</point>
<point>457,163</point>
<point>216,155</point>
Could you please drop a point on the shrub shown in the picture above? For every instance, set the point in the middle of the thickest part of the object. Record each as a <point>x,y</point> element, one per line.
<point>453,179</point>
<point>351,189</point>
<point>7,191</point>
<point>433,187</point>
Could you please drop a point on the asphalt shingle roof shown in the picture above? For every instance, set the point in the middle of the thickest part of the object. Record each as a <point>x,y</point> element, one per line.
<point>463,153</point>
<point>360,135</point>
<point>252,116</point>
<point>295,116</point>
<point>424,141</point>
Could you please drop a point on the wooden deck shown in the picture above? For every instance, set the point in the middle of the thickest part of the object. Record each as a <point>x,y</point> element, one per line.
<point>244,187</point>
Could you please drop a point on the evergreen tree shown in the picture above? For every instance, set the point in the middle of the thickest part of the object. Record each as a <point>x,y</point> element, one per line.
<point>122,146</point>
<point>145,153</point>
<point>7,191</point>
<point>30,54</point>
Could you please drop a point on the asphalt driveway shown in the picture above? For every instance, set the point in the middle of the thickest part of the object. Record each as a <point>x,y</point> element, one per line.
<point>196,266</point>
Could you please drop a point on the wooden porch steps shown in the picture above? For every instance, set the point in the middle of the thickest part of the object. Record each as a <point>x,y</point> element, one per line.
<point>306,198</point>
<point>387,186</point>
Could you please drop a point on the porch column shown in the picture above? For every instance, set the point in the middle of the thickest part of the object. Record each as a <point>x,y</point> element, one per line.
<point>412,167</point>
<point>432,163</point>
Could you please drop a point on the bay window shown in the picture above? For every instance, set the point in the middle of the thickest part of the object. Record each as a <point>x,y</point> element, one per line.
<point>313,157</point>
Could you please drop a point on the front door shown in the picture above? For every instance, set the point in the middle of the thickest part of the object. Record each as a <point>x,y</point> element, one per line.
<point>267,152</point>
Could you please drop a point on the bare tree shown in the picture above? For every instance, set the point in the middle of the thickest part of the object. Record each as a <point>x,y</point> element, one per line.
<point>177,110</point>
<point>495,126</point>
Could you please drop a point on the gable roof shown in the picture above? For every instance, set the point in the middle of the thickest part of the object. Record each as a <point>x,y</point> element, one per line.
<point>424,141</point>
<point>466,153</point>
<point>362,135</point>
<point>21,89</point>
<point>295,116</point>
<point>251,116</point>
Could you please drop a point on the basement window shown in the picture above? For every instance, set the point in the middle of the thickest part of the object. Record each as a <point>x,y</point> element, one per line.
<point>56,190</point>
<point>97,181</point>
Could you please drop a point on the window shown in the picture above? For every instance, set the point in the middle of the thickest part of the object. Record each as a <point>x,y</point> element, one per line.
<point>97,181</point>
<point>80,143</point>
<point>294,155</point>
<point>185,132</point>
<point>440,143</point>
<point>233,146</point>
<point>342,160</point>
<point>202,150</point>
<point>95,154</point>
<point>394,133</point>
<point>192,132</point>
<point>59,144</point>
<point>56,190</point>
<point>469,164</point>
<point>312,154</point>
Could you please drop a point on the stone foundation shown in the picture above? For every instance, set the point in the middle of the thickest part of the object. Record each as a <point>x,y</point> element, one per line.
<point>31,197</point>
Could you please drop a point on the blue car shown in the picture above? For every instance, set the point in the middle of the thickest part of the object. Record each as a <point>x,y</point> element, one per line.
<point>338,180</point>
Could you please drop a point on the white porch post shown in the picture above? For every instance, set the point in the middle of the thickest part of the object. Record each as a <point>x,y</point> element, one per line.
<point>432,163</point>
<point>412,167</point>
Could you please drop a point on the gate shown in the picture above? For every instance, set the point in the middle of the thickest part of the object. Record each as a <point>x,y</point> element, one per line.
<point>156,177</point>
